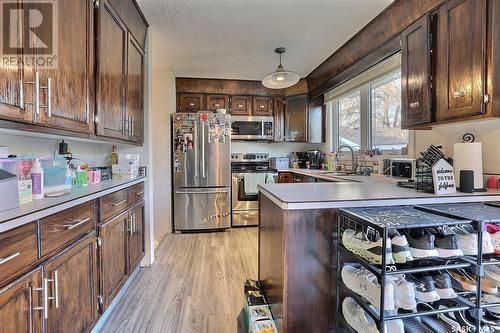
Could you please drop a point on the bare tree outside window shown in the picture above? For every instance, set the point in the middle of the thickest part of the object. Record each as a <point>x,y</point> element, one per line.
<point>350,120</point>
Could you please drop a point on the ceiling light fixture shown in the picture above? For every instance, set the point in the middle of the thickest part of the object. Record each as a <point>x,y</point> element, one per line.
<point>280,78</point>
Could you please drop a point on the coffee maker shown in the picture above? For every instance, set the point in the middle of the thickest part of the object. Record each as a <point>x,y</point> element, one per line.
<point>314,157</point>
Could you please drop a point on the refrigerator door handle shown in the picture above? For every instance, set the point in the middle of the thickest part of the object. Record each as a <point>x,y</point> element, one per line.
<point>208,191</point>
<point>196,161</point>
<point>202,150</point>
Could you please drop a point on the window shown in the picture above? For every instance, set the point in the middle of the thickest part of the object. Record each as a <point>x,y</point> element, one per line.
<point>365,112</point>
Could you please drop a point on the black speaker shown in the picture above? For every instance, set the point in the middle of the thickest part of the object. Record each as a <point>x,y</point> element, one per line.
<point>466,181</point>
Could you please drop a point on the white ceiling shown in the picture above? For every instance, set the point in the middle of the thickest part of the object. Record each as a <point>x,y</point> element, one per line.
<point>235,39</point>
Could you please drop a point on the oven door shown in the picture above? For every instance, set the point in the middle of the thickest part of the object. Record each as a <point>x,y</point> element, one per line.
<point>251,128</point>
<point>240,200</point>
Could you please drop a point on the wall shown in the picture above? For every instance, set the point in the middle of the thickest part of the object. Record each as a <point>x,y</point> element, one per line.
<point>487,132</point>
<point>273,149</point>
<point>162,105</point>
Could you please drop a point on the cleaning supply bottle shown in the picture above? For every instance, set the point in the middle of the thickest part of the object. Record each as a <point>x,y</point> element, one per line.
<point>114,156</point>
<point>37,180</point>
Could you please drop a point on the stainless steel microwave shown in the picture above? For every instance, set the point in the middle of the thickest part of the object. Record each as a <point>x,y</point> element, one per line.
<point>252,128</point>
<point>403,168</point>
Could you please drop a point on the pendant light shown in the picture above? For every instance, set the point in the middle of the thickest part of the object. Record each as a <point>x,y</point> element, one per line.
<point>280,78</point>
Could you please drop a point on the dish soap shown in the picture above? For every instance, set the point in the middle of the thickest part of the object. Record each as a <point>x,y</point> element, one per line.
<point>37,180</point>
<point>114,156</point>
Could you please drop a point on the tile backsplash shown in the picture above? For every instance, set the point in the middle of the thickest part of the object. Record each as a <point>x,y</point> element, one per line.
<point>274,149</point>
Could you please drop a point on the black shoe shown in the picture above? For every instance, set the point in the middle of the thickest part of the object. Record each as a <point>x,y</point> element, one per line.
<point>425,289</point>
<point>421,243</point>
<point>446,243</point>
<point>433,322</point>
<point>442,282</point>
<point>460,321</point>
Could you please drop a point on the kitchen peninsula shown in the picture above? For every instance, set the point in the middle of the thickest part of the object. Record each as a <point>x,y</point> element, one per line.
<point>298,241</point>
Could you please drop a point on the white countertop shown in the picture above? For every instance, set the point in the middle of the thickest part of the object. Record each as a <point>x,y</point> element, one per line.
<point>367,191</point>
<point>38,209</point>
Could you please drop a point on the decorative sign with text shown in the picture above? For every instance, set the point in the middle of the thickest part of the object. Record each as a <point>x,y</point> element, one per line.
<point>444,178</point>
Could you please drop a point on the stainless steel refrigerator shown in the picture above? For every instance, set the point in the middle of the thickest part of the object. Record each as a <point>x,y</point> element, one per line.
<point>201,171</point>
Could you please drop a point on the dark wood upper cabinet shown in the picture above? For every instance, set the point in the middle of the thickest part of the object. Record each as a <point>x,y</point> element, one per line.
<point>72,284</point>
<point>19,302</point>
<point>460,56</point>
<point>136,236</point>
<point>111,73</point>
<point>66,90</point>
<point>191,102</point>
<point>296,118</point>
<point>135,91</point>
<point>215,102</point>
<point>316,120</point>
<point>279,119</point>
<point>416,74</point>
<point>262,106</point>
<point>133,18</point>
<point>241,105</point>
<point>113,257</point>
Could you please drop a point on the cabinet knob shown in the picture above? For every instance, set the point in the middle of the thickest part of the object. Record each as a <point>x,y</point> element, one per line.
<point>240,106</point>
<point>261,106</point>
<point>217,105</point>
<point>414,105</point>
<point>459,93</point>
<point>191,104</point>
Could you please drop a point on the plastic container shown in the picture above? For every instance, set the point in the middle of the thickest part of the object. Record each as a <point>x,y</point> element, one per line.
<point>81,177</point>
<point>54,181</point>
<point>128,159</point>
<point>9,165</point>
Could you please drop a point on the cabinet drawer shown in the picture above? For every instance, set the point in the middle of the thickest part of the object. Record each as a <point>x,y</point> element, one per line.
<point>135,193</point>
<point>113,204</point>
<point>62,228</point>
<point>18,250</point>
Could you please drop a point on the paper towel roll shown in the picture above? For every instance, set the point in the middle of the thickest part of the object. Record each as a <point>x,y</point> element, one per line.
<point>469,156</point>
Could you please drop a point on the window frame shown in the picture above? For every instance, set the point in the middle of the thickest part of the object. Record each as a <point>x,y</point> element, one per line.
<point>362,83</point>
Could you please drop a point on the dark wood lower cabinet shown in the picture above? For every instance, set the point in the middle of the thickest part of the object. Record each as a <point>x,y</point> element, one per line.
<point>113,257</point>
<point>18,303</point>
<point>136,236</point>
<point>72,284</point>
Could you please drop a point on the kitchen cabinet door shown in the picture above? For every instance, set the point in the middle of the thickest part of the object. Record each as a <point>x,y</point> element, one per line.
<point>241,105</point>
<point>285,177</point>
<point>72,282</point>
<point>296,117</point>
<point>111,73</point>
<point>135,236</point>
<point>21,304</point>
<point>262,106</point>
<point>191,102</point>
<point>461,59</point>
<point>279,119</point>
<point>416,75</point>
<point>215,102</point>
<point>16,93</point>
<point>316,121</point>
<point>135,92</point>
<point>66,90</point>
<point>113,257</point>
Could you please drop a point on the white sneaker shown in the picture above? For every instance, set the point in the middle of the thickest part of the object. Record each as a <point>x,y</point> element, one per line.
<point>357,318</point>
<point>467,242</point>
<point>487,244</point>
<point>490,298</point>
<point>400,249</point>
<point>404,292</point>
<point>358,243</point>
<point>365,284</point>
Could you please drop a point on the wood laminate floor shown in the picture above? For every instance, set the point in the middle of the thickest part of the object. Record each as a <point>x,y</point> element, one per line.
<point>195,285</point>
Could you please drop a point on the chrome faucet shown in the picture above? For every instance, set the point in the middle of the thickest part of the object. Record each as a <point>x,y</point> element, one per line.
<point>354,161</point>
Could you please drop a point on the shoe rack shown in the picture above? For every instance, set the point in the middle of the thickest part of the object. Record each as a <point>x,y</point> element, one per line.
<point>383,220</point>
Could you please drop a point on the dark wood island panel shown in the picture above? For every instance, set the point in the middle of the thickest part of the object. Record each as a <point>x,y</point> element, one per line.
<point>297,266</point>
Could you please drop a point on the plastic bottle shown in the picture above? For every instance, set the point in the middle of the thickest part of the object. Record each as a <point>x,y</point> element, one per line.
<point>114,156</point>
<point>37,180</point>
<point>69,178</point>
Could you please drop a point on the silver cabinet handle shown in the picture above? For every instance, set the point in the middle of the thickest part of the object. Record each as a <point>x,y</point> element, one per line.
<point>9,258</point>
<point>221,191</point>
<point>134,226</point>
<point>48,106</point>
<point>414,105</point>
<point>36,101</point>
<point>132,126</point>
<point>202,150</point>
<point>130,226</point>
<point>21,93</point>
<point>459,93</point>
<point>56,288</point>
<point>45,296</point>
<point>78,223</point>
<point>118,203</point>
<point>139,193</point>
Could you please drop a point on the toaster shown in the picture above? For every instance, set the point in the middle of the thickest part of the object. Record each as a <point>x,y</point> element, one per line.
<point>279,163</point>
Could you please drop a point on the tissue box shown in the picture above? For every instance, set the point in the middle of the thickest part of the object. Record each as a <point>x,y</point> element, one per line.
<point>121,171</point>
<point>265,326</point>
<point>256,313</point>
<point>25,191</point>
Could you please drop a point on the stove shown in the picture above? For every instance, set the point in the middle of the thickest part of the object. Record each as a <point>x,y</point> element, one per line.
<point>254,168</point>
